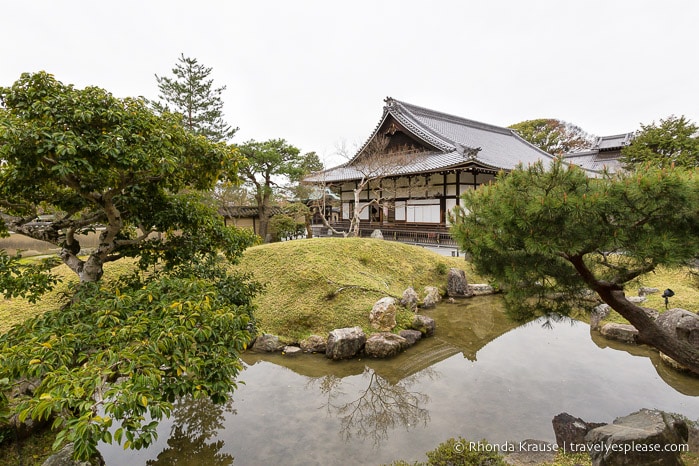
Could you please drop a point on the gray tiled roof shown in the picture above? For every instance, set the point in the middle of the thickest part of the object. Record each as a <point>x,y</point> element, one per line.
<point>616,141</point>
<point>457,142</point>
<point>593,161</point>
<point>603,155</point>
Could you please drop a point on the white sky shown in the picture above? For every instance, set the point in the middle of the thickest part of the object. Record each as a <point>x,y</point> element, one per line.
<point>316,72</point>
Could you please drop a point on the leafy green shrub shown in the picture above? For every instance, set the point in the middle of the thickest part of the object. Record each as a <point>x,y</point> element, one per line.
<point>126,354</point>
<point>457,452</point>
<point>283,226</point>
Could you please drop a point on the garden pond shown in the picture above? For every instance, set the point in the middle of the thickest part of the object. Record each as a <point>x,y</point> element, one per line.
<point>480,377</point>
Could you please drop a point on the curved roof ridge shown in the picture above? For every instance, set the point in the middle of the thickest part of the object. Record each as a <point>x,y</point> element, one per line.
<point>406,117</point>
<point>453,118</point>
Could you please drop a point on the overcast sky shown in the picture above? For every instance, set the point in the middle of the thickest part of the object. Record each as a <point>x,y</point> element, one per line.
<point>316,72</point>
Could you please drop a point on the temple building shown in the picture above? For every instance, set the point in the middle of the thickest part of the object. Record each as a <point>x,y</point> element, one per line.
<point>418,162</point>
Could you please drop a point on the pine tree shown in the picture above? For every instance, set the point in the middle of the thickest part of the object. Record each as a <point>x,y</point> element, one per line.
<point>674,141</point>
<point>192,94</point>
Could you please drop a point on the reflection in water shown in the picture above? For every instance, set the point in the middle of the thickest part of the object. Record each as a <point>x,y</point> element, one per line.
<point>380,408</point>
<point>481,376</point>
<point>195,422</point>
<point>682,382</point>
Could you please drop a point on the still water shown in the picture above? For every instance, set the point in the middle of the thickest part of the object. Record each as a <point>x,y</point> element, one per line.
<point>481,377</point>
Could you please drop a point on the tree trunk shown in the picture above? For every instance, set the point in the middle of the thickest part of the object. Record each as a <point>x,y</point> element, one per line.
<point>88,271</point>
<point>264,221</point>
<point>309,224</point>
<point>649,332</point>
<point>354,223</point>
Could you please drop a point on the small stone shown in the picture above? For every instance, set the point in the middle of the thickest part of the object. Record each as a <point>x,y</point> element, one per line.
<point>457,286</point>
<point>481,289</point>
<point>291,351</point>
<point>598,314</point>
<point>314,344</point>
<point>432,297</point>
<point>266,343</point>
<point>620,332</point>
<point>384,345</point>
<point>376,234</point>
<point>411,336</point>
<point>409,299</point>
<point>424,324</point>
<point>570,431</point>
<point>645,291</point>
<point>345,343</point>
<point>383,315</point>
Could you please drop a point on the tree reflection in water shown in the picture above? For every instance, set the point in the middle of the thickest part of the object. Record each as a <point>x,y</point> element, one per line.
<point>195,422</point>
<point>379,408</point>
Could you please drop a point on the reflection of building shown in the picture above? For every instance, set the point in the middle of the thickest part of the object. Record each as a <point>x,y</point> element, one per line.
<point>428,159</point>
<point>604,154</point>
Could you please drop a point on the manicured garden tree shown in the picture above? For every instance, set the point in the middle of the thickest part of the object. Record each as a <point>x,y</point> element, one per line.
<point>96,161</point>
<point>548,235</point>
<point>124,350</point>
<point>266,166</point>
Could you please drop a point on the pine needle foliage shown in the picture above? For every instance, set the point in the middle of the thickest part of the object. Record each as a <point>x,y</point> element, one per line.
<point>191,93</point>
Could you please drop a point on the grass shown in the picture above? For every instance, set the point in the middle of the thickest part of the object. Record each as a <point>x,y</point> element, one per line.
<point>326,283</point>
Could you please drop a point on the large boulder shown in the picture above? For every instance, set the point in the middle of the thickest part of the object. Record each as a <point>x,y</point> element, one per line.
<point>384,345</point>
<point>266,343</point>
<point>409,299</point>
<point>457,286</point>
<point>570,431</point>
<point>647,437</point>
<point>620,332</point>
<point>383,315</point>
<point>345,343</point>
<point>424,325</point>
<point>314,344</point>
<point>682,324</point>
<point>376,234</point>
<point>432,297</point>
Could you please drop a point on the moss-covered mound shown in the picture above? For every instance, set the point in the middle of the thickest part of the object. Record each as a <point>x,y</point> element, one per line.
<point>317,285</point>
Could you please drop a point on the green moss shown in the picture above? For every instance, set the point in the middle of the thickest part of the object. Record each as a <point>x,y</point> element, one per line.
<point>317,285</point>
